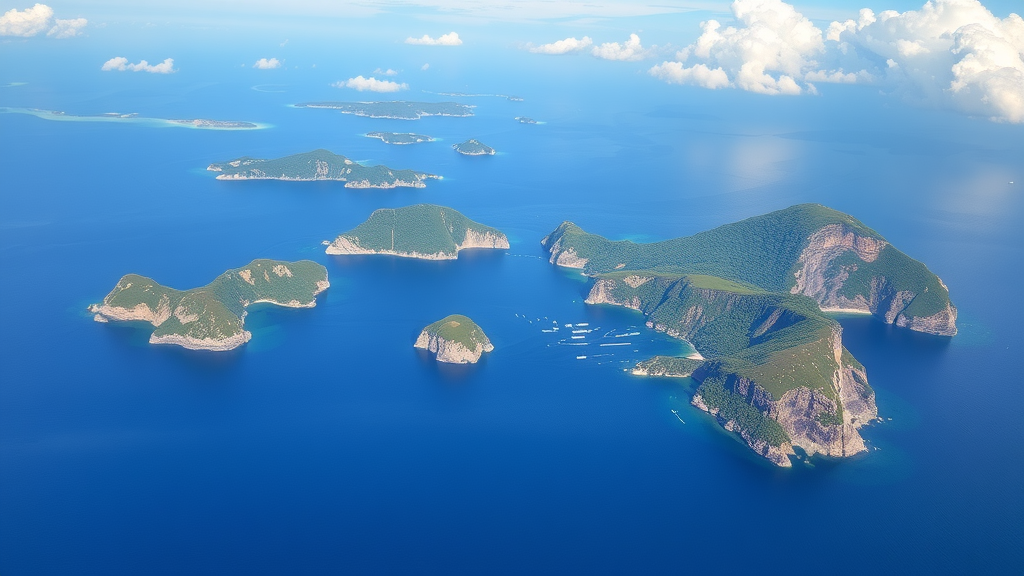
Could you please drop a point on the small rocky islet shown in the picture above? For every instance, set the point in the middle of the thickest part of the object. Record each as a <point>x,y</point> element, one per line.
<point>473,147</point>
<point>455,339</point>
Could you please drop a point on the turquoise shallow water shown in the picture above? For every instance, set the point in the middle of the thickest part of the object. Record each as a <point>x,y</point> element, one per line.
<point>329,444</point>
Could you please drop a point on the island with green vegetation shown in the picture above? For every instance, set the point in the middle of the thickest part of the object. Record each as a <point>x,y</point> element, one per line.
<point>473,148</point>
<point>400,137</point>
<point>525,120</point>
<point>751,298</point>
<point>397,109</point>
<point>316,166</point>
<point>212,317</point>
<point>422,231</point>
<point>455,340</point>
<point>134,118</point>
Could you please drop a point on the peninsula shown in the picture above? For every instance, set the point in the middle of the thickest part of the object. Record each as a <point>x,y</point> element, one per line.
<point>212,317</point>
<point>396,109</point>
<point>319,165</point>
<point>455,339</point>
<point>473,148</point>
<point>400,137</point>
<point>751,298</point>
<point>422,231</point>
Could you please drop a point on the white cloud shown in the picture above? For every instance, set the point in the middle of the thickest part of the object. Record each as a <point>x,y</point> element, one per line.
<point>67,28</point>
<point>839,77</point>
<point>388,72</point>
<point>563,46</point>
<point>774,49</point>
<point>371,84</point>
<point>27,22</point>
<point>425,67</point>
<point>121,64</point>
<point>449,39</point>
<point>948,53</point>
<point>265,64</point>
<point>701,75</point>
<point>630,50</point>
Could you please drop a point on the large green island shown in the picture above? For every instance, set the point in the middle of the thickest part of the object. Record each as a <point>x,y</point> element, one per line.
<point>455,339</point>
<point>319,165</point>
<point>422,231</point>
<point>396,109</point>
<point>212,317</point>
<point>751,298</point>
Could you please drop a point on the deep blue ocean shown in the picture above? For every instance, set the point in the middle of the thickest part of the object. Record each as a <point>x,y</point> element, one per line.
<point>329,445</point>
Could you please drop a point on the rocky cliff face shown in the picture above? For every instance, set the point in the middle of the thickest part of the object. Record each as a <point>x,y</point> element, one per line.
<point>820,278</point>
<point>104,312</point>
<point>487,239</point>
<point>348,244</point>
<point>815,421</point>
<point>560,255</point>
<point>943,323</point>
<point>823,247</point>
<point>452,352</point>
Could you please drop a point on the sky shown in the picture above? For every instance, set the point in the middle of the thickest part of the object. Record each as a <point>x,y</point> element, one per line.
<point>960,55</point>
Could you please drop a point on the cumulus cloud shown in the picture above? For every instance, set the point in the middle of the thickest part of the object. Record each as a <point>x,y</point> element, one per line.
<point>630,50</point>
<point>449,39</point>
<point>371,84</point>
<point>949,52</point>
<point>388,72</point>
<point>563,46</point>
<point>952,53</point>
<point>775,47</point>
<point>121,64</point>
<point>67,28</point>
<point>699,74</point>
<point>27,22</point>
<point>265,64</point>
